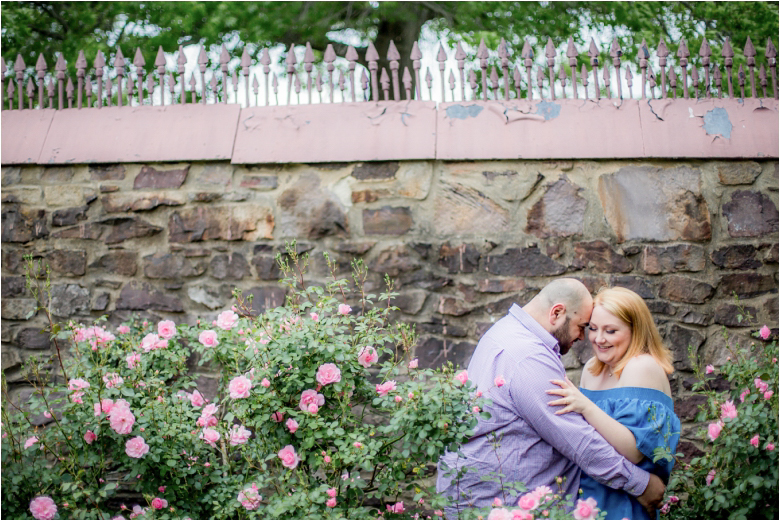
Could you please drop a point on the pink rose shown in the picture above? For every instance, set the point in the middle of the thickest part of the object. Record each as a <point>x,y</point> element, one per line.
<point>328,374</point>
<point>312,408</point>
<point>239,435</point>
<point>76,384</point>
<point>462,377</point>
<point>413,364</point>
<point>292,425</point>
<point>358,445</point>
<point>344,309</point>
<point>136,447</point>
<point>519,513</point>
<point>586,509</point>
<point>398,399</point>
<point>367,356</point>
<point>196,399</point>
<point>768,395</point>
<point>133,360</point>
<point>43,507</point>
<point>398,508</point>
<point>208,338</point>
<point>96,407</point>
<point>159,503</point>
<point>310,396</point>
<point>500,382</point>
<point>327,459</point>
<point>330,503</point>
<point>278,416</point>
<point>239,387</point>
<point>123,329</point>
<point>728,410</point>
<point>121,419</point>
<point>288,456</point>
<point>744,393</point>
<point>761,385</point>
<point>713,430</point>
<point>331,492</point>
<point>149,342</point>
<point>542,493</point>
<point>113,380</point>
<point>764,332</point>
<point>754,441</point>
<point>709,369</point>
<point>497,502</point>
<point>770,447</point>
<point>265,383</point>
<point>250,497</point>
<point>528,502</point>
<point>161,489</point>
<point>499,513</point>
<point>210,436</point>
<point>710,477</point>
<point>166,329</point>
<point>89,437</point>
<point>32,440</point>
<point>226,320</point>
<point>385,388</point>
<point>475,409</point>
<point>315,317</point>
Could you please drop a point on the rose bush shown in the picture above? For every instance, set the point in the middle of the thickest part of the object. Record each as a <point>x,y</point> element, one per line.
<point>298,429</point>
<point>737,478</point>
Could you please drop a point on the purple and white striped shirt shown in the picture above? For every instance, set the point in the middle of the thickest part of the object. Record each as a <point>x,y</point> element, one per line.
<point>535,446</point>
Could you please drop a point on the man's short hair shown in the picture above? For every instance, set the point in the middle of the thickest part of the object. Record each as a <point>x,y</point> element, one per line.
<point>567,291</point>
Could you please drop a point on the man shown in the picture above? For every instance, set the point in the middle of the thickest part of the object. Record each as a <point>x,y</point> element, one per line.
<point>535,446</point>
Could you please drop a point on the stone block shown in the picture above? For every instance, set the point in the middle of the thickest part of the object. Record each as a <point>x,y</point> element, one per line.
<point>22,224</point>
<point>107,189</point>
<point>375,170</point>
<point>500,285</point>
<point>68,262</point>
<point>353,247</point>
<point>24,195</point>
<point>206,295</point>
<point>172,266</point>
<point>264,298</point>
<point>689,316</point>
<point>22,399</point>
<point>57,175</point>
<point>661,307</point>
<point>594,282</point>
<point>69,216</point>
<point>525,262</point>
<point>219,174</point>
<point>150,177</point>
<point>393,261</point>
<point>750,214</point>
<point>649,203</point>
<point>266,267</point>
<point>107,172</point>
<point>101,302</point>
<point>687,407</point>
<point>738,172</point>
<point>736,257</point>
<point>434,353</point>
<point>118,262</point>
<point>387,220</point>
<point>308,210</point>
<point>689,451</point>
<point>230,266</point>
<point>18,308</point>
<point>87,231</point>
<point>463,258</point>
<point>137,202</point>
<point>638,285</point>
<point>10,175</point>
<point>120,229</point>
<point>680,340</point>
<point>262,183</point>
<point>727,314</point>
<point>599,256</point>
<point>668,259</point>
<point>443,326</point>
<point>746,285</point>
<point>231,223</point>
<point>11,359</point>
<point>68,195</point>
<point>33,338</point>
<point>68,300</point>
<point>559,213</point>
<point>142,296</point>
<point>685,289</point>
<point>454,306</point>
<point>410,301</point>
<point>423,278</point>
<point>464,210</point>
<point>13,287</point>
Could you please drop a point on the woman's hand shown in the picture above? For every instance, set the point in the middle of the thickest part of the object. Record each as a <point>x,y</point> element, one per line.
<point>571,398</point>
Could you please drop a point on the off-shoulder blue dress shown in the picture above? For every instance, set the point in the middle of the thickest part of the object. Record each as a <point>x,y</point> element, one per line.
<point>649,415</point>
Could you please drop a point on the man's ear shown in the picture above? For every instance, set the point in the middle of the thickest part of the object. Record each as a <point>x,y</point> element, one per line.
<point>557,314</point>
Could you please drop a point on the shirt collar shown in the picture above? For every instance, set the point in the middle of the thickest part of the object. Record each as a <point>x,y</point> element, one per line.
<point>535,328</point>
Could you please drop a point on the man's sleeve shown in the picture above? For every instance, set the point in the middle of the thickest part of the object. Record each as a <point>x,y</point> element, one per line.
<point>569,433</point>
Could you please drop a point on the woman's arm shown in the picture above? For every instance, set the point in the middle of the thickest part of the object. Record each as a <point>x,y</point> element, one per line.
<point>616,434</point>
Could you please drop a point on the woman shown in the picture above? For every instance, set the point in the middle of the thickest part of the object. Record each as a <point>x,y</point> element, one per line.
<point>625,394</point>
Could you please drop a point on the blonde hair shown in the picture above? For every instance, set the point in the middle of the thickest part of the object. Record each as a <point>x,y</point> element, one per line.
<point>645,339</point>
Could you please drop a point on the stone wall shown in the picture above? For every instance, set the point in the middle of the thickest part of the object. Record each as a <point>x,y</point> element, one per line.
<point>462,239</point>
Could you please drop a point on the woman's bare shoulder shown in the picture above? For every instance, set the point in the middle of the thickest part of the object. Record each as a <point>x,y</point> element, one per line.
<point>587,379</point>
<point>645,371</point>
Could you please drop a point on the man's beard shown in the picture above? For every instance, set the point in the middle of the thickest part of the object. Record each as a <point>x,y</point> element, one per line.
<point>563,337</point>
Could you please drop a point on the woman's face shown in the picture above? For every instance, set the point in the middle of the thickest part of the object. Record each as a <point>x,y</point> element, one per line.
<point>609,336</point>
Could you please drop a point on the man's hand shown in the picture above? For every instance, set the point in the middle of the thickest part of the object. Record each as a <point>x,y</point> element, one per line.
<point>653,495</point>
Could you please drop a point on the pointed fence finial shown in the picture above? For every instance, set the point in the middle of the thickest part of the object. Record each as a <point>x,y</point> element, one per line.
<point>100,62</point>
<point>265,61</point>
<point>384,80</point>
<point>762,79</point>
<point>643,55</point>
<point>682,59</point>
<point>461,56</point>
<point>750,54</point>
<point>364,84</point>
<point>50,92</point>
<point>662,52</point>
<point>494,82</point>
<point>352,58</point>
<point>605,77</point>
<point>60,67</point>
<point>451,81</point>
<point>584,79</point>
<point>416,56</point>
<point>473,84</point>
<point>429,82</point>
<point>256,89</point>
<point>393,56</point>
<point>593,53</point>
<point>482,54</point>
<point>329,58</point>
<point>673,82</point>
<point>705,52</point>
<point>718,80</point>
<point>407,81</point>
<point>30,92</point>
<point>224,59</point>
<point>695,80</point>
<point>528,56</point>
<point>616,52</point>
<point>41,68</point>
<point>192,86</point>
<point>503,53</point>
<point>308,60</point>
<point>728,61</point>
<point>540,82</point>
<point>372,57</point>
<point>246,62</point>
<point>441,57</point>
<point>562,79</point>
<point>81,67</point>
<point>138,63</point>
<point>549,52</point>
<point>516,77</point>
<point>741,79</point>
<point>572,53</point>
<point>69,92</point>
<point>771,58</point>
<point>629,81</point>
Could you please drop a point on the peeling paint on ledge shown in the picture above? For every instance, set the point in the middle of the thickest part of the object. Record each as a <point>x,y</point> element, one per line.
<point>716,121</point>
<point>548,109</point>
<point>463,112</point>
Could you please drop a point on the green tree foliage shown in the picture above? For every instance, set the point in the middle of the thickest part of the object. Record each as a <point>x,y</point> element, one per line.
<point>30,28</point>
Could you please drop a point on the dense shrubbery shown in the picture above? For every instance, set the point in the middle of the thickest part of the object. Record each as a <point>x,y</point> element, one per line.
<point>320,413</point>
<point>737,478</point>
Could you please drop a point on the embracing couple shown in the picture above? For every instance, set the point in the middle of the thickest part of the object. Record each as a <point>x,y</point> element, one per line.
<point>600,438</point>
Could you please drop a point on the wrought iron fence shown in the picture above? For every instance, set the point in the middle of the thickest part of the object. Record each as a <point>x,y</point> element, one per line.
<point>703,79</point>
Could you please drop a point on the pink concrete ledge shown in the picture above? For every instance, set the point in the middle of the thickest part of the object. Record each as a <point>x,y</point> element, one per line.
<point>336,132</point>
<point>23,134</point>
<point>589,129</point>
<point>147,133</point>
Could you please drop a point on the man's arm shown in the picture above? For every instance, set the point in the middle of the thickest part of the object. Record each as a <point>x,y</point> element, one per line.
<point>570,434</point>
